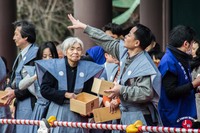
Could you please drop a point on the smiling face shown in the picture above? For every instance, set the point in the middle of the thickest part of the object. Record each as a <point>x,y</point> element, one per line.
<point>19,41</point>
<point>74,53</point>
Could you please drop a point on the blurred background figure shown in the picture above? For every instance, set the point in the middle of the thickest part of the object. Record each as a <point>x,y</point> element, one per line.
<point>59,51</point>
<point>113,30</point>
<point>195,62</point>
<point>59,48</point>
<point>95,54</point>
<point>154,51</point>
<point>5,112</point>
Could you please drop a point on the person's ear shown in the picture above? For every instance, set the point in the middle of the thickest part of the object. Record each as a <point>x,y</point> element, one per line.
<point>137,43</point>
<point>154,44</point>
<point>185,44</point>
<point>25,38</point>
<point>106,55</point>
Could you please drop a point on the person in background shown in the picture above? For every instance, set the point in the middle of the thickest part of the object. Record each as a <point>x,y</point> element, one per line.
<point>24,37</point>
<point>112,64</point>
<point>59,51</point>
<point>195,62</point>
<point>177,100</point>
<point>46,51</point>
<point>113,30</point>
<point>154,51</point>
<point>63,79</point>
<point>95,54</point>
<point>5,112</point>
<point>139,81</point>
<point>112,70</point>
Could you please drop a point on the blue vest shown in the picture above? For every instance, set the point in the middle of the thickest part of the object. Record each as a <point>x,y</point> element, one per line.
<point>172,111</point>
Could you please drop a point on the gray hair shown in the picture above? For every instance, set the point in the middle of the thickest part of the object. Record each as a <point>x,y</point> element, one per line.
<point>69,42</point>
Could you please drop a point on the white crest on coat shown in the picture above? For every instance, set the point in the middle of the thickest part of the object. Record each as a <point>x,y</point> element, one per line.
<point>24,58</point>
<point>120,63</point>
<point>61,73</point>
<point>111,78</point>
<point>129,72</point>
<point>81,74</point>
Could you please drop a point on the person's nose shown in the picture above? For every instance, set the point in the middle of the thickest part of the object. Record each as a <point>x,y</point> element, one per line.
<point>75,51</point>
<point>14,37</point>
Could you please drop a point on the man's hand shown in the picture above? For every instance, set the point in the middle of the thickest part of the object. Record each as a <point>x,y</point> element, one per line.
<point>9,96</point>
<point>114,106</point>
<point>76,24</point>
<point>115,91</point>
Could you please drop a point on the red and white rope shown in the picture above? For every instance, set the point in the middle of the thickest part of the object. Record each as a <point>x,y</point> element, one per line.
<point>66,124</point>
<point>101,126</point>
<point>19,122</point>
<point>90,125</point>
<point>167,129</point>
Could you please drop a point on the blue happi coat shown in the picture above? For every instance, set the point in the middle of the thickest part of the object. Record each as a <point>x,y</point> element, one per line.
<point>42,104</point>
<point>142,65</point>
<point>57,68</point>
<point>23,108</point>
<point>4,110</point>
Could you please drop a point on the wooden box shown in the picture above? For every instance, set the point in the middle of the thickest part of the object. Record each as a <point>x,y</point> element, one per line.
<point>2,101</point>
<point>99,86</point>
<point>103,114</point>
<point>84,103</point>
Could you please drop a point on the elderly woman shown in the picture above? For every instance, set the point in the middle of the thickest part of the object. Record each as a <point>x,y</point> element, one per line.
<point>63,79</point>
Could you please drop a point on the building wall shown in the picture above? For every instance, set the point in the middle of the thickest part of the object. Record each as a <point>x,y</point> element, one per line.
<point>96,13</point>
<point>185,12</point>
<point>7,17</point>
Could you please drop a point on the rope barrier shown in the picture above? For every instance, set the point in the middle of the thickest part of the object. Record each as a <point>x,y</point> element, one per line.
<point>167,129</point>
<point>154,129</point>
<point>66,124</point>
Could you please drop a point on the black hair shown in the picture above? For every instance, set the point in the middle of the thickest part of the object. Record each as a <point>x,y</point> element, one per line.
<point>51,46</point>
<point>153,38</point>
<point>179,34</point>
<point>56,43</point>
<point>114,28</point>
<point>27,30</point>
<point>144,35</point>
<point>198,49</point>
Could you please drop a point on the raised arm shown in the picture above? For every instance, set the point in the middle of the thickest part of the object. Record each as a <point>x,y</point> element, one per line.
<point>109,44</point>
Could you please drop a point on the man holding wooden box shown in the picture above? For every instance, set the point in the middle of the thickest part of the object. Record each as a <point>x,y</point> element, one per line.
<point>139,80</point>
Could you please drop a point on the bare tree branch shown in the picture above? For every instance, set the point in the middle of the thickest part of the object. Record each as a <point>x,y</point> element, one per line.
<point>49,17</point>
